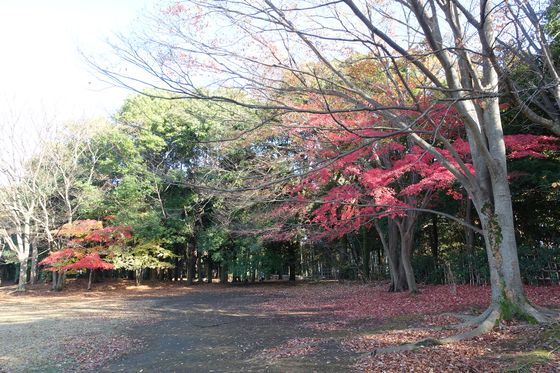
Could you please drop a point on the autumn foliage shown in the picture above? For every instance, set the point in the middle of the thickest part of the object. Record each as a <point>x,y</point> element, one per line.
<point>87,246</point>
<point>365,170</point>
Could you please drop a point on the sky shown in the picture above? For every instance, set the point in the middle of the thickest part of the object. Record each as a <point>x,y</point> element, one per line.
<point>42,71</point>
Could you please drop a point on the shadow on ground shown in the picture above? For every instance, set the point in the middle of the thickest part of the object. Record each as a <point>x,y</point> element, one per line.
<point>225,331</point>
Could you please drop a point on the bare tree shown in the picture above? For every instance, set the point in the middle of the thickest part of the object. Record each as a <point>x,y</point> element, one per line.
<point>43,184</point>
<point>17,202</point>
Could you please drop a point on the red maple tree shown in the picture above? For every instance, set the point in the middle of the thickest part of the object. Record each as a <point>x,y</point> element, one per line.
<point>86,248</point>
<point>364,171</point>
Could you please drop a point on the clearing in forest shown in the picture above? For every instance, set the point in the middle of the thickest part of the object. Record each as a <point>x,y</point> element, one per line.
<point>272,327</point>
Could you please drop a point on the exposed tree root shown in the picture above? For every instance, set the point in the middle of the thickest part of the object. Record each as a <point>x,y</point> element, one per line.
<point>475,320</point>
<point>539,315</point>
<point>549,312</point>
<point>485,323</point>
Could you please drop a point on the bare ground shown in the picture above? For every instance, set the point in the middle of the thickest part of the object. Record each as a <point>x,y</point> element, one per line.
<point>261,328</point>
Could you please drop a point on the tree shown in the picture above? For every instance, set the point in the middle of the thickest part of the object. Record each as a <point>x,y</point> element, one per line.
<point>18,200</point>
<point>86,241</point>
<point>526,57</point>
<point>141,256</point>
<point>176,161</point>
<point>447,53</point>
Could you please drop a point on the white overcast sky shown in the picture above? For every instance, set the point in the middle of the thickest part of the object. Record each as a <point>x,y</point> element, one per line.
<point>41,69</point>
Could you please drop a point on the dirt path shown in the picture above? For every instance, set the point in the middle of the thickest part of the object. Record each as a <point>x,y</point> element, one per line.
<point>271,327</point>
<point>218,330</point>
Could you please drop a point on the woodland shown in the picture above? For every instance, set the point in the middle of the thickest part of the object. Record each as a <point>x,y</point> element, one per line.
<point>392,155</point>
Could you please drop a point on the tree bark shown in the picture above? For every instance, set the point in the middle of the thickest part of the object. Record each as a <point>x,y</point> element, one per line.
<point>90,277</point>
<point>434,243</point>
<point>406,256</point>
<point>390,243</point>
<point>198,266</point>
<point>469,242</point>
<point>209,269</point>
<point>191,264</point>
<point>22,278</point>
<point>61,276</point>
<point>54,280</point>
<point>366,254</point>
<point>292,261</point>
<point>223,273</point>
<point>34,255</point>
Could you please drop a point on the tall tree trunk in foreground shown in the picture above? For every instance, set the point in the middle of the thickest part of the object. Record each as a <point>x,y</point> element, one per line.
<point>191,263</point>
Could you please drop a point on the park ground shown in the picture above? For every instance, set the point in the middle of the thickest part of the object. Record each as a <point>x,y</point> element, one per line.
<point>269,327</point>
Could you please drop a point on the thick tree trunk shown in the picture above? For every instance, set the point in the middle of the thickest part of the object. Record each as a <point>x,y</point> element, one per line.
<point>406,255</point>
<point>209,269</point>
<point>191,264</point>
<point>390,243</point>
<point>22,278</point>
<point>34,255</point>
<point>292,261</point>
<point>61,276</point>
<point>505,277</point>
<point>492,198</point>
<point>54,280</point>
<point>223,274</point>
<point>253,275</point>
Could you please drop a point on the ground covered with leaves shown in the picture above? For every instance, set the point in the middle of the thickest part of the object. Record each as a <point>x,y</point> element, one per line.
<point>273,327</point>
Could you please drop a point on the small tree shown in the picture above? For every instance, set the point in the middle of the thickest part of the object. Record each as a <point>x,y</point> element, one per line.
<point>145,255</point>
<point>87,242</point>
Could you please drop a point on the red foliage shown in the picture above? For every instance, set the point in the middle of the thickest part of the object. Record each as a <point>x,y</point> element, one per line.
<point>89,261</point>
<point>110,235</point>
<point>57,256</point>
<point>368,171</point>
<point>83,251</point>
<point>520,146</point>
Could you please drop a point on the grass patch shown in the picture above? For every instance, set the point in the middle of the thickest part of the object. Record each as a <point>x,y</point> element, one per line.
<point>524,361</point>
<point>552,333</point>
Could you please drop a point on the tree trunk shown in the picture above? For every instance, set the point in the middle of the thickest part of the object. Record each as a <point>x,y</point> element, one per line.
<point>469,243</point>
<point>61,276</point>
<point>54,280</point>
<point>399,282</point>
<point>209,269</point>
<point>390,243</point>
<point>34,255</point>
<point>90,277</point>
<point>198,267</point>
<point>292,261</point>
<point>22,278</point>
<point>406,254</point>
<point>223,274</point>
<point>492,197</point>
<point>434,242</point>
<point>253,275</point>
<point>191,264</point>
<point>366,250</point>
<point>177,269</point>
